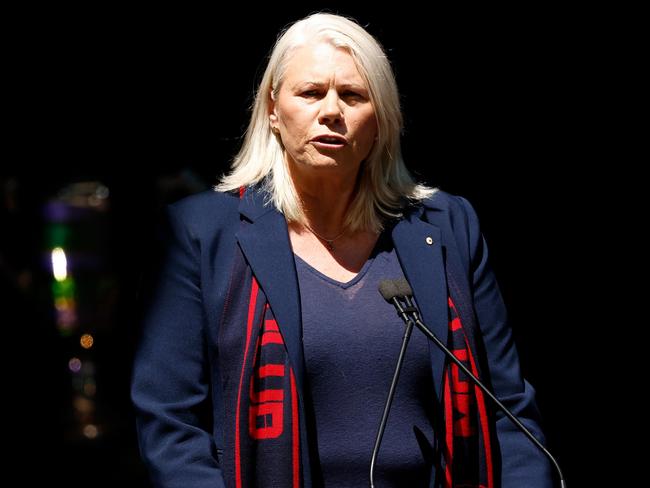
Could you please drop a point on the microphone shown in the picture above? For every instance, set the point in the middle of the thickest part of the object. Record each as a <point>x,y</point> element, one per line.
<point>390,292</point>
<point>404,291</point>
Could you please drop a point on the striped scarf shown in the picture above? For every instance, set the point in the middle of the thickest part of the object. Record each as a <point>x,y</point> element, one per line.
<point>261,430</point>
<point>262,425</point>
<point>467,452</point>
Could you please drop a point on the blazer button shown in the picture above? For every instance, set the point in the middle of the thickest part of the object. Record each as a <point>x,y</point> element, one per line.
<point>429,240</point>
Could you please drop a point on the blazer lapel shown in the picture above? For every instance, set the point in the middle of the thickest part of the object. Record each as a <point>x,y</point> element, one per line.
<point>265,243</point>
<point>419,249</point>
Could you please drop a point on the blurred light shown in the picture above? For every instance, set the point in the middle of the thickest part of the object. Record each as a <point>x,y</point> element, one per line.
<point>91,431</point>
<point>98,198</point>
<point>24,280</point>
<point>102,192</point>
<point>63,303</point>
<point>74,365</point>
<point>84,194</point>
<point>86,341</point>
<point>66,319</point>
<point>59,264</point>
<point>84,406</point>
<point>64,289</point>
<point>90,389</point>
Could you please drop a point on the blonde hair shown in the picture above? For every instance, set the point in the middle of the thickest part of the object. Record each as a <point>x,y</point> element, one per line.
<point>384,183</point>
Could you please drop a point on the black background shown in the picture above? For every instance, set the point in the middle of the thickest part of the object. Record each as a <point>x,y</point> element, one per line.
<point>499,107</point>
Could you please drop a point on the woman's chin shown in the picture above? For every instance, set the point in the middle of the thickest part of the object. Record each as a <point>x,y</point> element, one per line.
<point>328,163</point>
<point>324,163</point>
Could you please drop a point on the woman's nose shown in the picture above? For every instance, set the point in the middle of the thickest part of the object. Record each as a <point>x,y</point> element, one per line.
<point>330,109</point>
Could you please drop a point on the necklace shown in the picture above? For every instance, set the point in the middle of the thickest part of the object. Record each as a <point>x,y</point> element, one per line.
<point>330,242</point>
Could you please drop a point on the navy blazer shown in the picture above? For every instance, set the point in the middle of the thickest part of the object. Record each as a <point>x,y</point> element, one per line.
<point>176,369</point>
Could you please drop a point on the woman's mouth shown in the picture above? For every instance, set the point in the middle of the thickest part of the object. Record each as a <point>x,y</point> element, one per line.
<point>329,142</point>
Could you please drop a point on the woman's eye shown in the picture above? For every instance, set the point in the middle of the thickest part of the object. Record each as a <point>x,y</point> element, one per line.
<point>344,95</point>
<point>353,96</point>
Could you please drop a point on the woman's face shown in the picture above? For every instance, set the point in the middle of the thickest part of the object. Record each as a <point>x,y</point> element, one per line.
<point>324,96</point>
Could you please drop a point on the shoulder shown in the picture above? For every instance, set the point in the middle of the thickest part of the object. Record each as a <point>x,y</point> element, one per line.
<point>458,221</point>
<point>206,211</point>
<point>206,201</point>
<point>454,209</point>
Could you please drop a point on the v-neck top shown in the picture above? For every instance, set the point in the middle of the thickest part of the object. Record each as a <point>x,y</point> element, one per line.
<point>351,341</point>
<point>344,285</point>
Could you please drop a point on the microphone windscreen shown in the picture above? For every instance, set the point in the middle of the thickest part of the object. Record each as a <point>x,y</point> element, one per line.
<point>403,288</point>
<point>388,290</point>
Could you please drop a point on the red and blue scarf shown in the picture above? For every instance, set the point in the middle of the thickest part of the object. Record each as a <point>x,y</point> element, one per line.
<point>467,452</point>
<point>262,431</point>
<point>262,424</point>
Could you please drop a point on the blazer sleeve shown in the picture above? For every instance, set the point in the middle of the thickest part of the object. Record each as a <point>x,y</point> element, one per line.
<point>522,463</point>
<point>170,379</point>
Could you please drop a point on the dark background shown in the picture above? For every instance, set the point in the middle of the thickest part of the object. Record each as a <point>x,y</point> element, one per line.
<point>499,108</point>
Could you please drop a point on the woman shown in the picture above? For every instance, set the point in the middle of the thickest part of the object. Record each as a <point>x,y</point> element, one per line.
<point>267,311</point>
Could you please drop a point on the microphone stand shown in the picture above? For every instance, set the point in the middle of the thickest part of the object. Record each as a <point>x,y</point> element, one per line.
<point>485,390</point>
<point>391,393</point>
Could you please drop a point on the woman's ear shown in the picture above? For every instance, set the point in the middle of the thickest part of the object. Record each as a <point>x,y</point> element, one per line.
<point>273,115</point>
